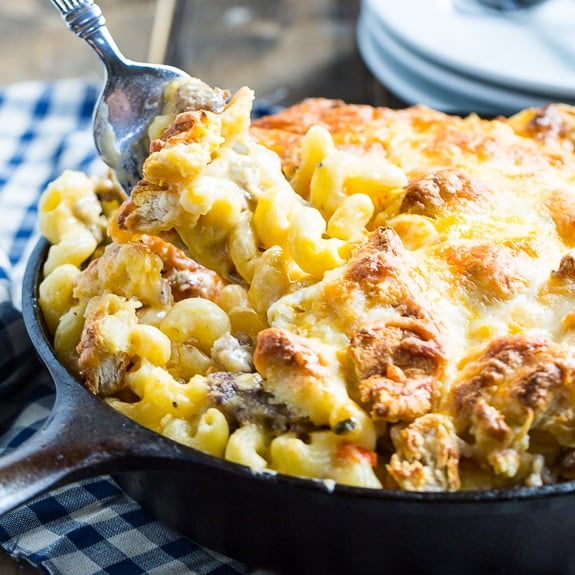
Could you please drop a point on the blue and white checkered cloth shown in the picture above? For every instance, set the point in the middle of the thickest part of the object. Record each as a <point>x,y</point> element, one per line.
<point>91,527</point>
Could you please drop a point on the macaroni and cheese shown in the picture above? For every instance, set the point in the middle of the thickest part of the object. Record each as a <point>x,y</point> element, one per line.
<point>374,297</point>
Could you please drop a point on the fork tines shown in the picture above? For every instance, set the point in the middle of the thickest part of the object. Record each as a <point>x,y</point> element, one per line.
<point>66,6</point>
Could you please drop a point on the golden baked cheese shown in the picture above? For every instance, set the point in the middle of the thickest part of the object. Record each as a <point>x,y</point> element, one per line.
<point>376,297</point>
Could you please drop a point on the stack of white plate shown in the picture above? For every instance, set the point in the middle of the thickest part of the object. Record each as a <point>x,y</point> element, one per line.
<point>457,56</point>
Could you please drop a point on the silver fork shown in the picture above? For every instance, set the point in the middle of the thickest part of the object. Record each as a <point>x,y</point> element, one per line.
<point>131,96</point>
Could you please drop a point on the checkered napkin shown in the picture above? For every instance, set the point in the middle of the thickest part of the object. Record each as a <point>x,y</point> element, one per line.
<point>90,527</point>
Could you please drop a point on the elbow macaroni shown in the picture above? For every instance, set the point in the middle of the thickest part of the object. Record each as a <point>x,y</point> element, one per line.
<point>198,319</point>
<point>70,218</point>
<point>247,446</point>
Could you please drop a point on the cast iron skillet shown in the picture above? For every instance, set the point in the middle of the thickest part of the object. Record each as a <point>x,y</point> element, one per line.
<point>281,523</point>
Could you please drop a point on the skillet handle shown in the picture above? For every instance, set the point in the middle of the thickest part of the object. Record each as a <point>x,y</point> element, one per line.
<point>41,463</point>
<point>82,438</point>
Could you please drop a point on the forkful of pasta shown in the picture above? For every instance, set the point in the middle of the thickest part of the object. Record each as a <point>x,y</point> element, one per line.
<point>132,95</point>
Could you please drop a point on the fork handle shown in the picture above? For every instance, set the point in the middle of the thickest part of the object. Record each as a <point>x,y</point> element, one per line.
<point>85,19</point>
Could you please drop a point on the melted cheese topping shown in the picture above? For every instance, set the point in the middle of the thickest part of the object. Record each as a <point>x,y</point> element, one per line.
<point>486,223</point>
<point>482,195</point>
